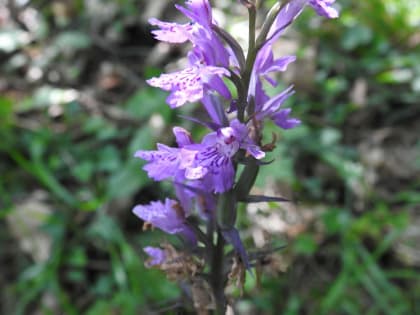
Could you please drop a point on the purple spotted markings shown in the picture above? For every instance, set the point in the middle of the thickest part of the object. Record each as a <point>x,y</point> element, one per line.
<point>188,85</point>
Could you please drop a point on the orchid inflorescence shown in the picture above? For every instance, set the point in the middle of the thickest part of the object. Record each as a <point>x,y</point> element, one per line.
<point>207,179</point>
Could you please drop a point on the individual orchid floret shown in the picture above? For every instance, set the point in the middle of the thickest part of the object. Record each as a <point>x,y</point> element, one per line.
<point>168,216</point>
<point>199,12</point>
<point>214,159</point>
<point>271,109</point>
<point>157,256</point>
<point>266,107</point>
<point>206,43</point>
<point>264,66</point>
<point>273,104</point>
<point>282,119</point>
<point>188,85</point>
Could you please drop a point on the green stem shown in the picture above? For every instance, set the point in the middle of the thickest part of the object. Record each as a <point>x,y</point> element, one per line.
<point>247,180</point>
<point>227,205</point>
<point>217,275</point>
<point>252,21</point>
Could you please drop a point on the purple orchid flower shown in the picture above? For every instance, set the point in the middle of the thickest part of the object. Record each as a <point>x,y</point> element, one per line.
<point>213,161</point>
<point>209,161</point>
<point>189,85</point>
<point>157,256</point>
<point>209,58</point>
<point>265,64</point>
<point>206,44</point>
<point>271,109</point>
<point>168,216</point>
<point>199,12</point>
<point>266,107</point>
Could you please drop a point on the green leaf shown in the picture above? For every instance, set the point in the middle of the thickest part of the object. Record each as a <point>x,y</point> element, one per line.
<point>126,181</point>
<point>6,111</point>
<point>305,244</point>
<point>146,102</point>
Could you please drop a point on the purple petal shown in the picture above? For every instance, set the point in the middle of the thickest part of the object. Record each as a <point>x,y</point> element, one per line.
<point>281,118</point>
<point>198,11</point>
<point>157,256</point>
<point>182,136</point>
<point>255,151</point>
<point>217,84</point>
<point>323,8</point>
<point>260,97</point>
<point>223,177</point>
<point>278,65</point>
<point>215,109</point>
<point>198,172</point>
<point>164,216</point>
<point>186,85</point>
<point>232,237</point>
<point>270,107</point>
<point>163,163</point>
<point>171,32</point>
<point>286,16</point>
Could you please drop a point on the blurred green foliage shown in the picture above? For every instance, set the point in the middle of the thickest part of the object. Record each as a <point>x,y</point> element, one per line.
<point>68,173</point>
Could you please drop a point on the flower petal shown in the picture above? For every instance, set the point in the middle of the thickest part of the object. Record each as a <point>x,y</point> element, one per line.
<point>157,256</point>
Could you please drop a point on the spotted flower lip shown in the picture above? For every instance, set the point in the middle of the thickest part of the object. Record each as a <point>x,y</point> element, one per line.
<point>189,85</point>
